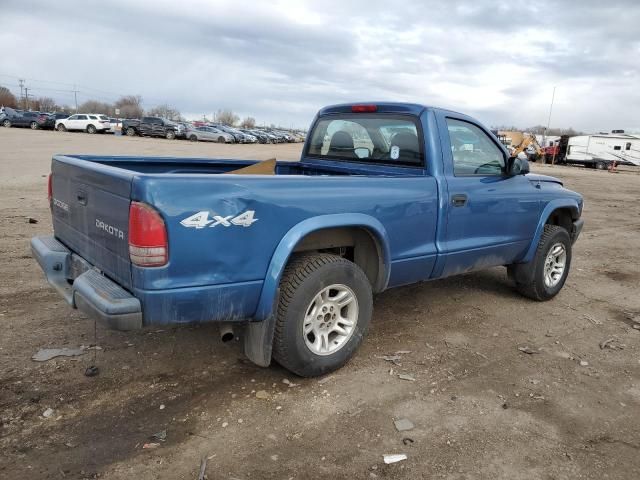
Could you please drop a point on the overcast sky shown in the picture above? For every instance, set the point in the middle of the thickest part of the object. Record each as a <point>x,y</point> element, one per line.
<point>280,61</point>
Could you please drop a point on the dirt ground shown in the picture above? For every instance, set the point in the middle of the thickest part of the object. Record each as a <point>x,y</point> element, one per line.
<point>481,407</point>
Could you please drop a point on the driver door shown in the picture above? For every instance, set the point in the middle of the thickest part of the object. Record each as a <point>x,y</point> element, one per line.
<point>491,217</point>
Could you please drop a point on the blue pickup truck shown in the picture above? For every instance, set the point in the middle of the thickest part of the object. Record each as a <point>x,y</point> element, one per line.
<point>290,253</point>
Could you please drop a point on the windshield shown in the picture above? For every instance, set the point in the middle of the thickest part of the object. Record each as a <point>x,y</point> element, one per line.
<point>375,138</point>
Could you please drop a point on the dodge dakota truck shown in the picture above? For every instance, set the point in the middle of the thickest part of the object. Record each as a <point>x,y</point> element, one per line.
<point>290,253</point>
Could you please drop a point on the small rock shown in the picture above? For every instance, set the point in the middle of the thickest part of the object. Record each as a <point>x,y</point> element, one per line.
<point>409,378</point>
<point>148,446</point>
<point>262,394</point>
<point>584,363</point>
<point>403,425</point>
<point>225,424</point>
<point>528,350</point>
<point>278,407</point>
<point>534,382</point>
<point>274,458</point>
<point>286,381</point>
<point>48,413</point>
<point>31,220</point>
<point>240,420</point>
<point>162,407</point>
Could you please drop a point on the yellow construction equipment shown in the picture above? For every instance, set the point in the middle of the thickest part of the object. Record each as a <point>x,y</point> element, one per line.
<point>527,141</point>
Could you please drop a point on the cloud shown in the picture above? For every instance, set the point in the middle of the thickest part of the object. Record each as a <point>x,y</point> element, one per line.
<point>280,61</point>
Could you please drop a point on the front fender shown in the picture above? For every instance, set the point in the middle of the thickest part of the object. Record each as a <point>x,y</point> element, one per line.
<point>570,203</point>
<point>283,251</point>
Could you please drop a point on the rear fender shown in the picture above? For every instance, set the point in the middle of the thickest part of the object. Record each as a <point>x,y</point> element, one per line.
<point>568,203</point>
<point>283,251</point>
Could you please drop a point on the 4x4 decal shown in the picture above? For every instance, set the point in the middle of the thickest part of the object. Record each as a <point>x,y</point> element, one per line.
<point>202,220</point>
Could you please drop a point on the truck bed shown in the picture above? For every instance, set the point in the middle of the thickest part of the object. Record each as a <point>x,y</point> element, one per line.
<point>209,166</point>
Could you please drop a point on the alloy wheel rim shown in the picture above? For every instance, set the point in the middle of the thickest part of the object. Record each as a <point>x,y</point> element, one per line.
<point>554,265</point>
<point>330,319</point>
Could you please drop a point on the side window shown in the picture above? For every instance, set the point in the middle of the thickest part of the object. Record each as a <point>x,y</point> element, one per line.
<point>73,117</point>
<point>93,117</point>
<point>473,151</point>
<point>81,117</point>
<point>628,146</point>
<point>617,147</point>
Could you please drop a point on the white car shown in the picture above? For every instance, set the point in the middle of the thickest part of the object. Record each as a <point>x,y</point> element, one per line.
<point>86,122</point>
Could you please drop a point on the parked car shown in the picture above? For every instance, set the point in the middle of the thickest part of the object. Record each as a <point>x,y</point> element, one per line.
<point>33,120</point>
<point>60,115</point>
<point>238,136</point>
<point>261,137</point>
<point>383,195</point>
<point>85,122</point>
<point>208,134</point>
<point>153,127</point>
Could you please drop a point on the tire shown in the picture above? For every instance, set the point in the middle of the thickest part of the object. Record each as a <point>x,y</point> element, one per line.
<point>314,281</point>
<point>34,125</point>
<point>193,138</point>
<point>61,128</point>
<point>601,166</point>
<point>170,135</point>
<point>131,132</point>
<point>539,287</point>
<point>6,123</point>
<point>221,140</point>
<point>91,129</point>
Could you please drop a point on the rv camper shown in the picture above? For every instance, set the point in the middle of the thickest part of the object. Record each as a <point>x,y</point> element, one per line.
<point>601,150</point>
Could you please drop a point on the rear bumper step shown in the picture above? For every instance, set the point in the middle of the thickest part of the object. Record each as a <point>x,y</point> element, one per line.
<point>90,292</point>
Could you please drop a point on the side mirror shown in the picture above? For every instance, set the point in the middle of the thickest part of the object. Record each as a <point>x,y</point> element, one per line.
<point>517,166</point>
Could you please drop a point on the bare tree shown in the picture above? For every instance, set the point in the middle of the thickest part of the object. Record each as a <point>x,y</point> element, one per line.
<point>44,104</point>
<point>227,117</point>
<point>94,106</point>
<point>7,99</point>
<point>130,106</point>
<point>248,122</point>
<point>165,111</point>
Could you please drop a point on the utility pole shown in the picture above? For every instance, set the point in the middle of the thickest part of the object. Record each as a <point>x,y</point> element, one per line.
<point>553,96</point>
<point>75,97</point>
<point>26,97</point>
<point>21,82</point>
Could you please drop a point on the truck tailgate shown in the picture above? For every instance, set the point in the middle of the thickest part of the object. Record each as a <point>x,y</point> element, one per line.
<point>90,209</point>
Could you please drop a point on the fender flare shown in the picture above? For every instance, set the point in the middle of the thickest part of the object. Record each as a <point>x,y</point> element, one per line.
<point>283,251</point>
<point>552,206</point>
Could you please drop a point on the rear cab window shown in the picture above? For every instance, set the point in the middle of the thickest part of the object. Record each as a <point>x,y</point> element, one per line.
<point>371,138</point>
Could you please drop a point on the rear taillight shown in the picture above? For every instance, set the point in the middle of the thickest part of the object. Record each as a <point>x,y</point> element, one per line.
<point>50,188</point>
<point>147,236</point>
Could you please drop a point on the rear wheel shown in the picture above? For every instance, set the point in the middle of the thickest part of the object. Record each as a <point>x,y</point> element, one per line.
<point>221,140</point>
<point>33,125</point>
<point>543,277</point>
<point>193,138</point>
<point>601,166</point>
<point>61,128</point>
<point>91,129</point>
<point>324,311</point>
<point>6,123</point>
<point>170,135</point>
<point>131,132</point>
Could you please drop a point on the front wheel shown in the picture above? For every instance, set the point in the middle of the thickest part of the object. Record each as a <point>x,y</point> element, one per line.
<point>61,128</point>
<point>543,277</point>
<point>6,123</point>
<point>221,140</point>
<point>193,138</point>
<point>34,126</point>
<point>324,311</point>
<point>170,135</point>
<point>601,166</point>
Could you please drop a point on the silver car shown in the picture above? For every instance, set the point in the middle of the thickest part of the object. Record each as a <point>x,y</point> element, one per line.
<point>208,134</point>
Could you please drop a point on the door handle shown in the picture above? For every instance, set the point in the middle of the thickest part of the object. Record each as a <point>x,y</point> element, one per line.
<point>459,200</point>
